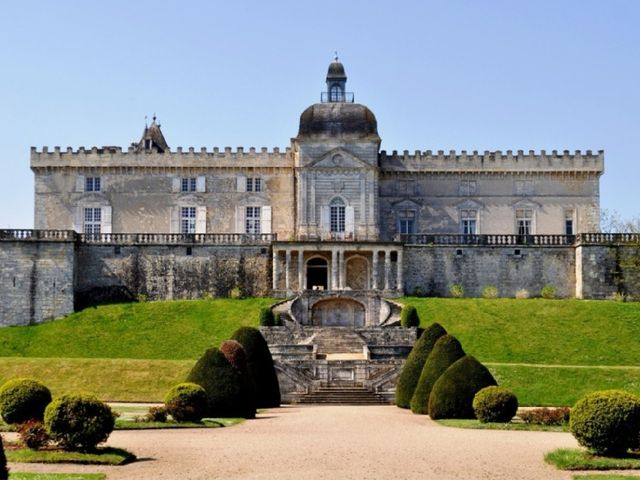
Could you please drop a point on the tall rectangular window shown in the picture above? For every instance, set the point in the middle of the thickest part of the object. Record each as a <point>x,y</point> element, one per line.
<point>524,221</point>
<point>188,220</point>
<point>254,184</point>
<point>568,222</point>
<point>92,221</point>
<point>188,184</point>
<point>252,220</point>
<point>407,221</point>
<point>337,216</point>
<point>469,222</point>
<point>92,184</point>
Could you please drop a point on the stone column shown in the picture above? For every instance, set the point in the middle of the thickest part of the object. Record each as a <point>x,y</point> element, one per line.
<point>301,285</point>
<point>374,270</point>
<point>399,277</point>
<point>334,270</point>
<point>276,265</point>
<point>387,270</point>
<point>341,270</point>
<point>287,276</point>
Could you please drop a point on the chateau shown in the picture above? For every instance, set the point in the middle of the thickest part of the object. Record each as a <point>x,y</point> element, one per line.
<point>330,213</point>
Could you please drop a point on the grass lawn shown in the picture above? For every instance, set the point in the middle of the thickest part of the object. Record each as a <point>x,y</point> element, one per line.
<point>103,456</point>
<point>578,459</point>
<point>127,424</point>
<point>56,476</point>
<point>477,425</point>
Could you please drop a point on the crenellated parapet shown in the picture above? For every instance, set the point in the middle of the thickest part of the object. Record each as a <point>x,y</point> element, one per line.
<point>493,161</point>
<point>190,157</point>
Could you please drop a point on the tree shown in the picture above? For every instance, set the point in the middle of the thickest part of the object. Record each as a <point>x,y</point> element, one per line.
<point>611,221</point>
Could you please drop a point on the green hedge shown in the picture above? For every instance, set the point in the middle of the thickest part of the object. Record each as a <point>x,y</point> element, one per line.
<point>453,393</point>
<point>415,362</point>
<point>445,352</point>
<point>23,399</point>
<point>409,317</point>
<point>186,402</point>
<point>495,404</point>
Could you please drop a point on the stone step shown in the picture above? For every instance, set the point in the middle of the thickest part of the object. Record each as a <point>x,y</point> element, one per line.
<point>342,395</point>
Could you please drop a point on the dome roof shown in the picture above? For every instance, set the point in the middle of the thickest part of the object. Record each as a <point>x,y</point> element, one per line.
<point>336,71</point>
<point>336,119</point>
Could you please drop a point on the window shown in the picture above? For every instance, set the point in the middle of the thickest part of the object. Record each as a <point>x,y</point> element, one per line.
<point>468,187</point>
<point>469,222</point>
<point>188,184</point>
<point>252,220</point>
<point>407,221</point>
<point>524,187</point>
<point>337,216</point>
<point>568,222</point>
<point>188,220</point>
<point>336,94</point>
<point>254,184</point>
<point>147,144</point>
<point>92,184</point>
<point>92,221</point>
<point>524,221</point>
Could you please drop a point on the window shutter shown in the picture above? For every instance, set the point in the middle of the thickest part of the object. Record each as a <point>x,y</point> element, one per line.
<point>105,225</point>
<point>175,220</point>
<point>265,220</point>
<point>176,184</point>
<point>201,218</point>
<point>349,220</point>
<point>78,220</point>
<point>80,183</point>
<point>241,181</point>
<point>325,221</point>
<point>201,185</point>
<point>240,217</point>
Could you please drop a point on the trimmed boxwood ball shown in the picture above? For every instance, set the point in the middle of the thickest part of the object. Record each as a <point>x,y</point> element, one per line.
<point>224,385</point>
<point>409,317</point>
<point>452,395</point>
<point>495,404</point>
<point>607,422</point>
<point>23,399</point>
<point>260,365</point>
<point>186,402</point>
<point>78,421</point>
<point>4,471</point>
<point>445,352</point>
<point>267,318</point>
<point>415,362</point>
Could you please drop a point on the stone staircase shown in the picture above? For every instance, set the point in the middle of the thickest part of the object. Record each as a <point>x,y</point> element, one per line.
<point>339,344</point>
<point>342,395</point>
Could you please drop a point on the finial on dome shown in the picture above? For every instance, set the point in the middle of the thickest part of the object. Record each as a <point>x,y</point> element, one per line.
<point>335,57</point>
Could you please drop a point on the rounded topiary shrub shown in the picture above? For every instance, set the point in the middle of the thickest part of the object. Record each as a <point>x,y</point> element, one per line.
<point>234,352</point>
<point>4,471</point>
<point>445,352</point>
<point>495,404</point>
<point>224,385</point>
<point>453,393</point>
<point>186,402</point>
<point>415,361</point>
<point>266,317</point>
<point>23,399</point>
<point>607,422</point>
<point>78,421</point>
<point>260,366</point>
<point>409,317</point>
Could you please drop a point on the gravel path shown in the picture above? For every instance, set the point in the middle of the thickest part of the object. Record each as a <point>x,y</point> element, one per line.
<point>318,442</point>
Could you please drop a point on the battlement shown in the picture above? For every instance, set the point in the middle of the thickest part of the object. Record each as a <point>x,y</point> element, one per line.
<point>493,161</point>
<point>113,156</point>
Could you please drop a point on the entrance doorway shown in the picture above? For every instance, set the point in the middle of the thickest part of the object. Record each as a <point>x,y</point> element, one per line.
<point>317,274</point>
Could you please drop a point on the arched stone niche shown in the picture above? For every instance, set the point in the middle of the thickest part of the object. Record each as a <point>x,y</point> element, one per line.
<point>338,312</point>
<point>357,273</point>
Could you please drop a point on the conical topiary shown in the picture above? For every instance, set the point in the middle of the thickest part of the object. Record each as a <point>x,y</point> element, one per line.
<point>415,361</point>
<point>445,352</point>
<point>4,471</point>
<point>452,395</point>
<point>225,386</point>
<point>261,368</point>
<point>237,356</point>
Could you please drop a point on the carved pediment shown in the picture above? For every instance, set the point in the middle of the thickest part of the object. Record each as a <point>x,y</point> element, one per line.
<point>469,204</point>
<point>526,203</point>
<point>407,203</point>
<point>338,158</point>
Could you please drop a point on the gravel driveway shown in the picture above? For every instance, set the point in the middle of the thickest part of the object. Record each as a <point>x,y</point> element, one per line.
<point>327,442</point>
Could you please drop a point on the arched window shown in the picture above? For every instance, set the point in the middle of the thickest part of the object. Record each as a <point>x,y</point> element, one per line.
<point>336,94</point>
<point>337,215</point>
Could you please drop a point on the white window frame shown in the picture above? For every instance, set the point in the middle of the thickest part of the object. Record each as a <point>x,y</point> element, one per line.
<point>525,224</point>
<point>188,184</point>
<point>253,220</point>
<point>469,221</point>
<point>569,216</point>
<point>187,220</point>
<point>92,184</point>
<point>92,221</point>
<point>407,219</point>
<point>337,216</point>
<point>253,184</point>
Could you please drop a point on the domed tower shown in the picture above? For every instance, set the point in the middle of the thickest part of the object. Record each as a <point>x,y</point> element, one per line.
<point>336,158</point>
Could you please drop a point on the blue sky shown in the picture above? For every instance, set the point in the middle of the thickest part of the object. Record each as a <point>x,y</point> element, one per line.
<point>439,75</point>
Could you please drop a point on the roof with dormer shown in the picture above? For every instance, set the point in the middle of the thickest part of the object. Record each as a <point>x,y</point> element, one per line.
<point>154,134</point>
